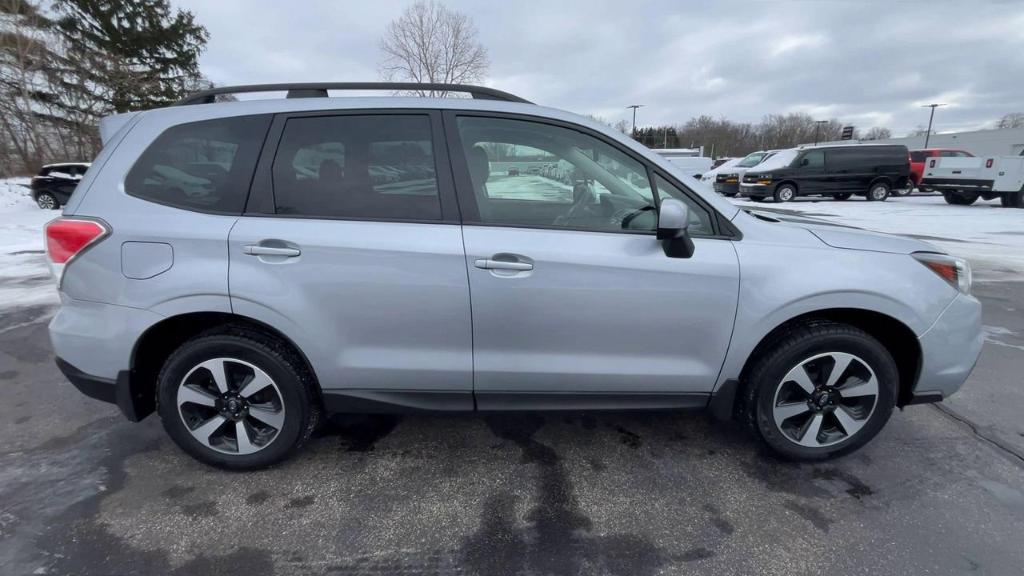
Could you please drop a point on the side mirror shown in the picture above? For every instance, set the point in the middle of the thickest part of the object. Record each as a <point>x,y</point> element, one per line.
<point>673,223</point>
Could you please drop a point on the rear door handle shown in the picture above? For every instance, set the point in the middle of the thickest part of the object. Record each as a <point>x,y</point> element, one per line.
<point>258,250</point>
<point>489,264</point>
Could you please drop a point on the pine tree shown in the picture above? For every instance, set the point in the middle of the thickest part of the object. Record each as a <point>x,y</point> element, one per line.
<point>121,55</point>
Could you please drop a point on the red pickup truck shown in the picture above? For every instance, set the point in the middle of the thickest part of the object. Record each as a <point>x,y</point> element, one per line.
<point>919,157</point>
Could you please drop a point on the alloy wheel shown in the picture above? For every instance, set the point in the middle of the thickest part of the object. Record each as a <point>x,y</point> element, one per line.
<point>879,192</point>
<point>825,399</point>
<point>46,202</point>
<point>231,406</point>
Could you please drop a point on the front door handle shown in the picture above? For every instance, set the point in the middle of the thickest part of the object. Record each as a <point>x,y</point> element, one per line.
<point>259,250</point>
<point>489,264</point>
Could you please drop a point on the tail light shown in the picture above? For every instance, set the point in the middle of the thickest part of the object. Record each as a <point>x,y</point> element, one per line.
<point>988,163</point>
<point>66,238</point>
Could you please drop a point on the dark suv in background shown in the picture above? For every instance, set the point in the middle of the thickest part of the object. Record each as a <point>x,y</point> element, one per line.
<point>871,170</point>
<point>54,184</point>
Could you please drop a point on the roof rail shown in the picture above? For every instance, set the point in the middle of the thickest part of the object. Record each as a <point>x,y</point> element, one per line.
<point>319,90</point>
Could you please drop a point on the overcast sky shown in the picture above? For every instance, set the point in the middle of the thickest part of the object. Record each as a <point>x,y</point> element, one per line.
<point>864,63</point>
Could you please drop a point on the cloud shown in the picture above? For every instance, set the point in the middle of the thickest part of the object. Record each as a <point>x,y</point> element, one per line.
<point>866,63</point>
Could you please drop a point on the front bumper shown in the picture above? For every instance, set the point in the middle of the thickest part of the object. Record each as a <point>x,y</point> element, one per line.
<point>727,188</point>
<point>950,349</point>
<point>756,190</point>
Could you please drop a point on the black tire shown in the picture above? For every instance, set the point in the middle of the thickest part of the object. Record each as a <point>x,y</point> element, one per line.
<point>730,194</point>
<point>784,193</point>
<point>1012,199</point>
<point>47,201</point>
<point>842,195</point>
<point>797,345</point>
<point>960,199</point>
<point>298,396</point>
<point>879,191</point>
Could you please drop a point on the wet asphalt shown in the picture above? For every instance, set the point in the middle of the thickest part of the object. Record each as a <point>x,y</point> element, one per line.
<point>939,491</point>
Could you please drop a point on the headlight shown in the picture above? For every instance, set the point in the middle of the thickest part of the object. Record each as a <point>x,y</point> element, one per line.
<point>956,271</point>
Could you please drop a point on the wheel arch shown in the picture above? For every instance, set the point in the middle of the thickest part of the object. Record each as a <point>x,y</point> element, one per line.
<point>159,340</point>
<point>888,181</point>
<point>791,182</point>
<point>894,335</point>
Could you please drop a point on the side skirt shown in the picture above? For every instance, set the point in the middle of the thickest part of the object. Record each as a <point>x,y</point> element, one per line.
<point>405,401</point>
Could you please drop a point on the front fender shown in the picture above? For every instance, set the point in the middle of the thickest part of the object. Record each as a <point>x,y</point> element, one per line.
<point>779,285</point>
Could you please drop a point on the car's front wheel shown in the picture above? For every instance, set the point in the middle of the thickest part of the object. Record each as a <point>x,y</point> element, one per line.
<point>237,399</point>
<point>47,201</point>
<point>822,390</point>
<point>785,193</point>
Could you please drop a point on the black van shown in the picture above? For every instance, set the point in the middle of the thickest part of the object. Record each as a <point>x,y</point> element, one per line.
<point>840,171</point>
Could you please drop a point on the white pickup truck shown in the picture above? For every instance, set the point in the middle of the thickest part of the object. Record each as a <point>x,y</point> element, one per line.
<point>963,180</point>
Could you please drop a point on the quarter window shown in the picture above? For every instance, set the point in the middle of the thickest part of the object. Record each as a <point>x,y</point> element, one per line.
<point>205,166</point>
<point>531,174</point>
<point>358,167</point>
<point>700,219</point>
<point>813,159</point>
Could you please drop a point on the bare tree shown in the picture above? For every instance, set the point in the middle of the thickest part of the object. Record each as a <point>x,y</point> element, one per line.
<point>622,126</point>
<point>877,133</point>
<point>1014,120</point>
<point>431,43</point>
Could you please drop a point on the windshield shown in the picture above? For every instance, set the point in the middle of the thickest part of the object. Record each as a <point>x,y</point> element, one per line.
<point>752,159</point>
<point>779,160</point>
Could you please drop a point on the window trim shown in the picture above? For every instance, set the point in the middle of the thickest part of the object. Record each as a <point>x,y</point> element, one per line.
<point>467,199</point>
<point>247,187</point>
<point>261,196</point>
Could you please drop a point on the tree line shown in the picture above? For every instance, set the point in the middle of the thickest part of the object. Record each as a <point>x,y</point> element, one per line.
<point>723,137</point>
<point>65,65</point>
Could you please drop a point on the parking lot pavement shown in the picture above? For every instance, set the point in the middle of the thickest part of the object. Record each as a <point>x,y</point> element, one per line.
<point>84,492</point>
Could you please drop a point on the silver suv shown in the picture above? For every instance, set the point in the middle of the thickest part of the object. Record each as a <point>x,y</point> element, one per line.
<point>244,268</point>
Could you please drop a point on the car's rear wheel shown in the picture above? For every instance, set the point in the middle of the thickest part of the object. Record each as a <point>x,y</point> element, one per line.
<point>843,195</point>
<point>47,201</point>
<point>879,191</point>
<point>1012,199</point>
<point>822,390</point>
<point>237,399</point>
<point>958,199</point>
<point>785,193</point>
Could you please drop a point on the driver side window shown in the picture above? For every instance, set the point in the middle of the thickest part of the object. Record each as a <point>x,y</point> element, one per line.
<point>532,174</point>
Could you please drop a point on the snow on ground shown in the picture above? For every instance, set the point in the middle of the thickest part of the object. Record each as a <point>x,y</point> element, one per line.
<point>25,278</point>
<point>989,236</point>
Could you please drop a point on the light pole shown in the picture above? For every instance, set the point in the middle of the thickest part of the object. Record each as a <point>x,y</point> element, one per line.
<point>931,117</point>
<point>817,129</point>
<point>634,107</point>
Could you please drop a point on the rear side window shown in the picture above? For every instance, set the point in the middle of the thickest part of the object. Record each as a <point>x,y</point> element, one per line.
<point>919,156</point>
<point>357,167</point>
<point>204,166</point>
<point>953,154</point>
